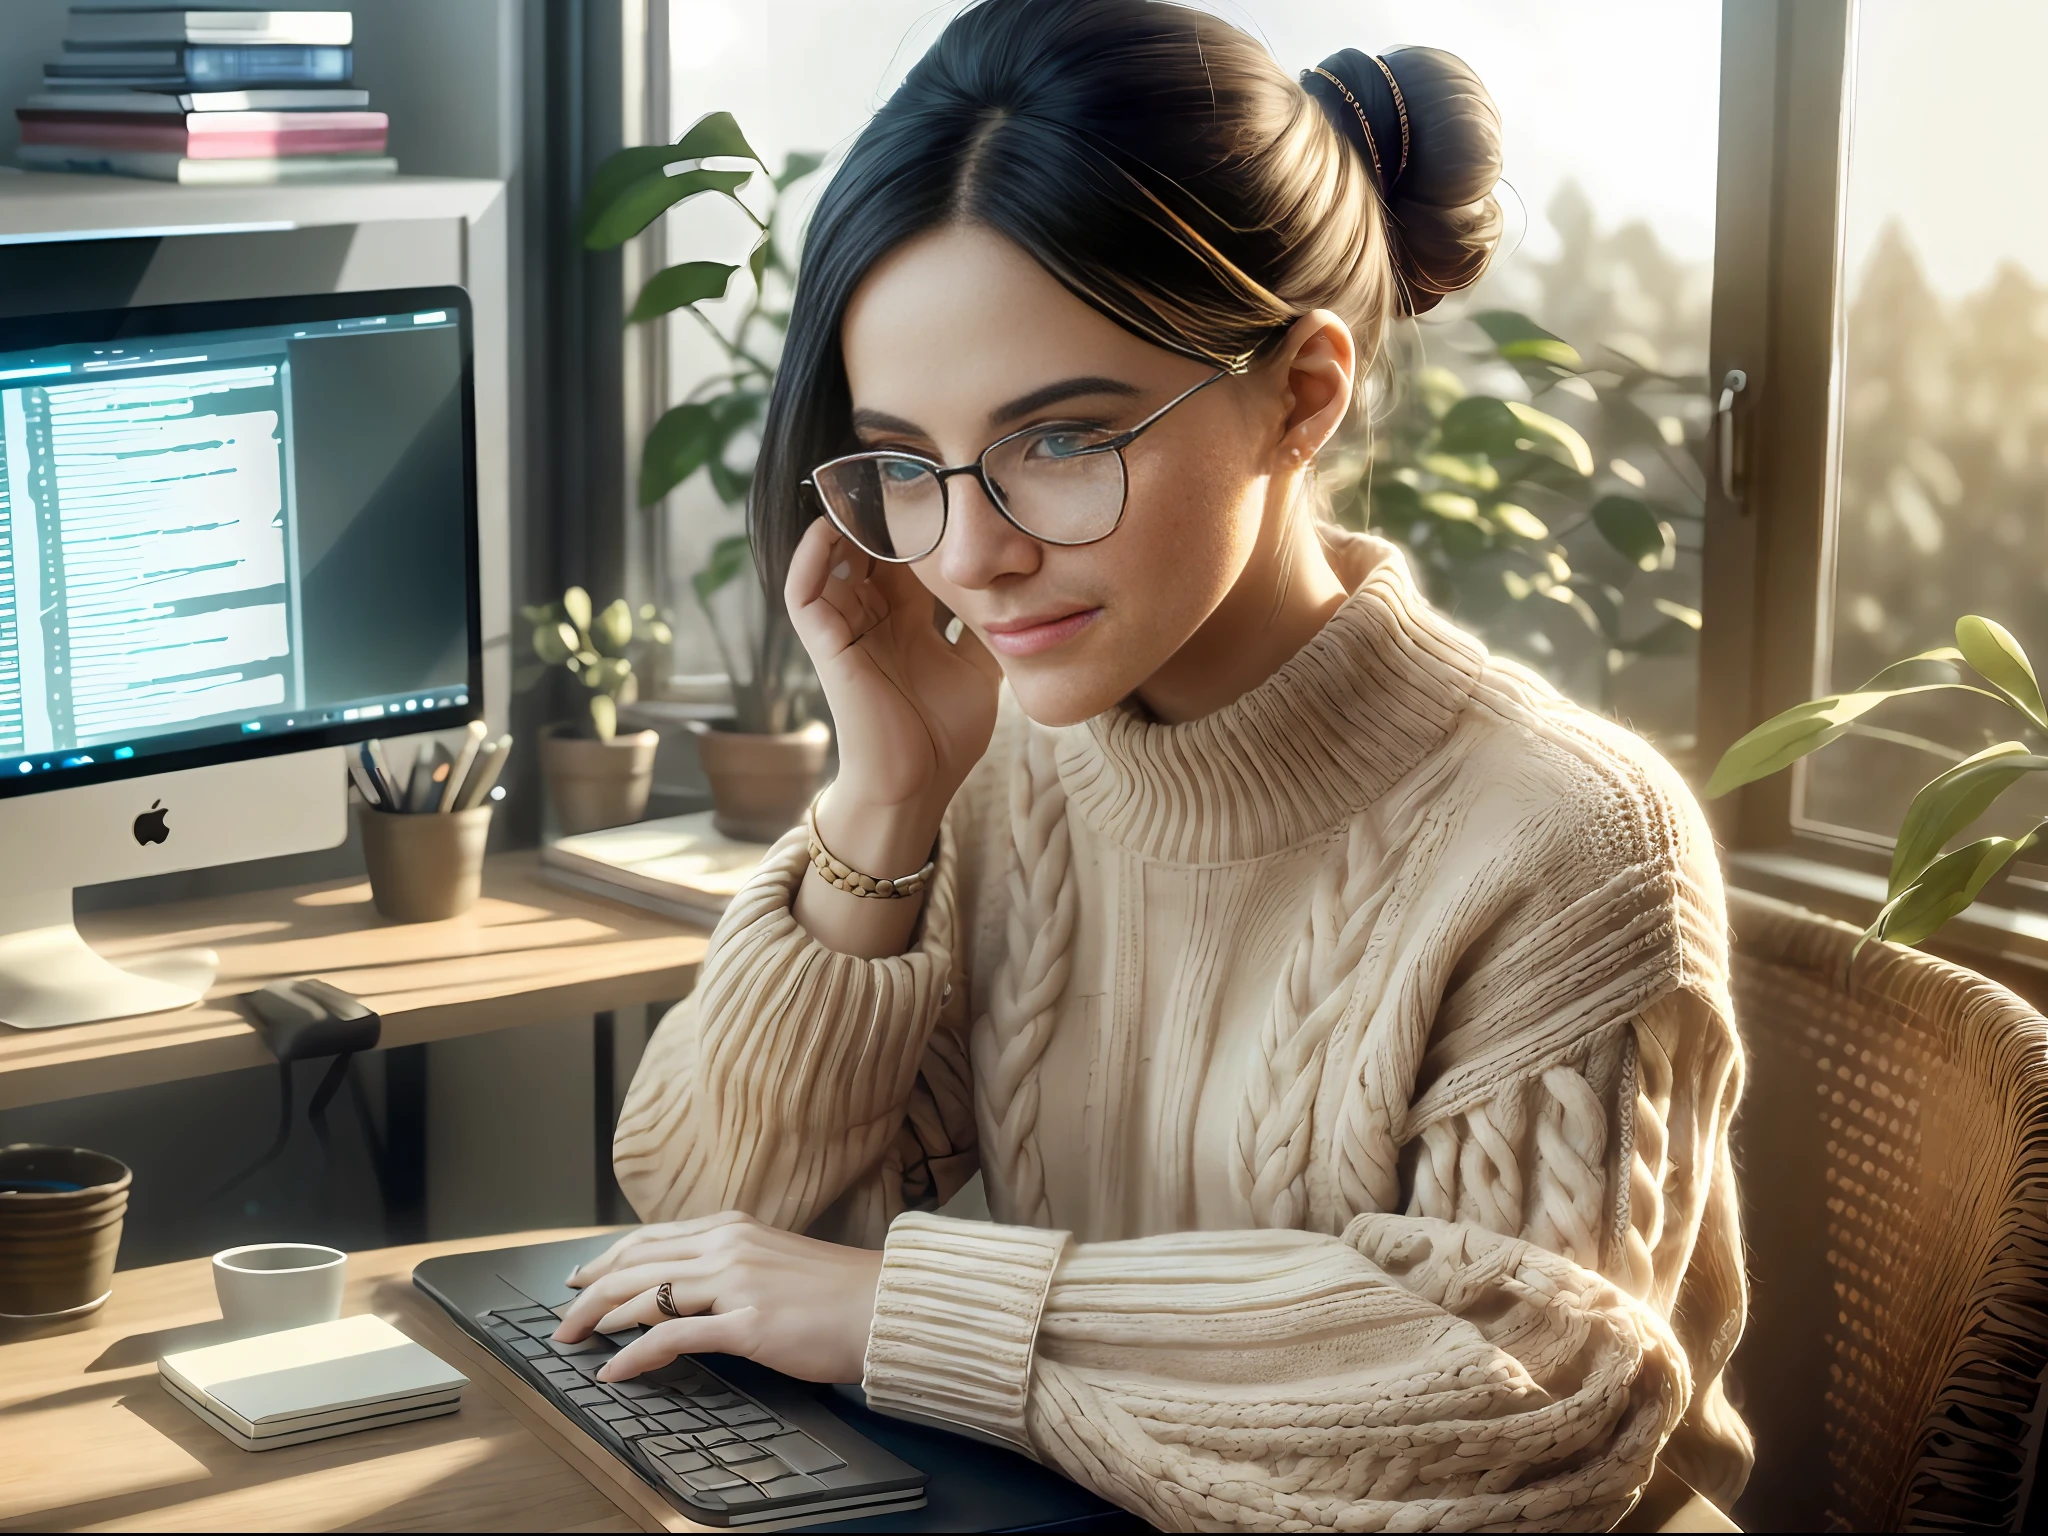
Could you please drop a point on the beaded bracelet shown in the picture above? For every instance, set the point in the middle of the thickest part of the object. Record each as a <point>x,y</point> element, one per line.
<point>843,877</point>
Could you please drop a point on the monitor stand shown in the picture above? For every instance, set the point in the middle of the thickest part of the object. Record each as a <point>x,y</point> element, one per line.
<point>50,976</point>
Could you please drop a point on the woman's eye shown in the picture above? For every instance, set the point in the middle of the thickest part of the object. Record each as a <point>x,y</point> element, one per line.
<point>1063,444</point>
<point>900,471</point>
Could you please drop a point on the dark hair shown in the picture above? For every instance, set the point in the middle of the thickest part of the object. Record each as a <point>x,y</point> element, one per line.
<point>1160,164</point>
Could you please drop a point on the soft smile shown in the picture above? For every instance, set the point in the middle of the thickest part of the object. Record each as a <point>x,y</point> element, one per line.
<point>1030,637</point>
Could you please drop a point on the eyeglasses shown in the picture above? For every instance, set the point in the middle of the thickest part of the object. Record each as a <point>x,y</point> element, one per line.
<point>1058,484</point>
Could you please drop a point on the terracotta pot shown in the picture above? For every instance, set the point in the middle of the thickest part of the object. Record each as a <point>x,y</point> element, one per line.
<point>597,783</point>
<point>424,867</point>
<point>57,1245</point>
<point>761,784</point>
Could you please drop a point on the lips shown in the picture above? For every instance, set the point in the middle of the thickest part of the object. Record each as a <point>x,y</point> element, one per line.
<point>1031,637</point>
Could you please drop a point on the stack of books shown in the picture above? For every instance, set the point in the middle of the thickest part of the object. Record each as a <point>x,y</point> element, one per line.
<point>311,1383</point>
<point>212,97</point>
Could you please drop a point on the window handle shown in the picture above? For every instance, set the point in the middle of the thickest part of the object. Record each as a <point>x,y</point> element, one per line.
<point>1733,383</point>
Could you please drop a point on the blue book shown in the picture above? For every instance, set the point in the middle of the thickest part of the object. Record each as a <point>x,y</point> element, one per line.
<point>204,66</point>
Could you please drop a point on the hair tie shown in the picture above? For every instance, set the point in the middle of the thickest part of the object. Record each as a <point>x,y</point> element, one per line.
<point>1377,108</point>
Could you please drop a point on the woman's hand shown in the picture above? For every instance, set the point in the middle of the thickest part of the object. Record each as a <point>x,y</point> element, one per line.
<point>793,1303</point>
<point>914,713</point>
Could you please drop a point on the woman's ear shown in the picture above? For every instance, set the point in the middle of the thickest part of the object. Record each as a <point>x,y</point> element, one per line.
<point>1317,363</point>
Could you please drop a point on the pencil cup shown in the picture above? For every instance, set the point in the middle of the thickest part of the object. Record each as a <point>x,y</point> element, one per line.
<point>61,1210</point>
<point>427,866</point>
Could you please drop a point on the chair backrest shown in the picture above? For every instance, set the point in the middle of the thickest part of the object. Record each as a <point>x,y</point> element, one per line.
<point>1893,1154</point>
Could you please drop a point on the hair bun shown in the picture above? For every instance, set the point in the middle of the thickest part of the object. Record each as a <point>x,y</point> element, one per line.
<point>1431,134</point>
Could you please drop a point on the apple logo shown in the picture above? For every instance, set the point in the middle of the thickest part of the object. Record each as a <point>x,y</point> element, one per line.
<point>151,826</point>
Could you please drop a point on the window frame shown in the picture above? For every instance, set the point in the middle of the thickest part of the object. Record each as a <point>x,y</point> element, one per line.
<point>1768,567</point>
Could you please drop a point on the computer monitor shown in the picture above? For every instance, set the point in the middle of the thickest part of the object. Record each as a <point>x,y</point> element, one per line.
<point>234,539</point>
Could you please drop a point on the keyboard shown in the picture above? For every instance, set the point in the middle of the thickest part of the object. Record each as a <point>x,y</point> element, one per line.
<point>716,1452</point>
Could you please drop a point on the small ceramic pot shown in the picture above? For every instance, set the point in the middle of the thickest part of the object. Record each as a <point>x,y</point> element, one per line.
<point>597,783</point>
<point>424,867</point>
<point>761,784</point>
<point>61,1210</point>
<point>268,1287</point>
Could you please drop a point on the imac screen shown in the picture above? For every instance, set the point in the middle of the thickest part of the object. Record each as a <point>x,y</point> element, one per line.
<point>235,540</point>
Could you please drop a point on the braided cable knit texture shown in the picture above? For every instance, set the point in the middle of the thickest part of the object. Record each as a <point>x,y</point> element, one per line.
<point>1009,1041</point>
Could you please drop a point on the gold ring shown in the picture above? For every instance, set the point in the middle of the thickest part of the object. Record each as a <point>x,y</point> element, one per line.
<point>665,1300</point>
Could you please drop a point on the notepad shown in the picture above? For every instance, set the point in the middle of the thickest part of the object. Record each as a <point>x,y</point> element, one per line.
<point>310,1383</point>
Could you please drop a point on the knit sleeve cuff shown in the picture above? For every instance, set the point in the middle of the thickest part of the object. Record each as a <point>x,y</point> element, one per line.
<point>956,1324</point>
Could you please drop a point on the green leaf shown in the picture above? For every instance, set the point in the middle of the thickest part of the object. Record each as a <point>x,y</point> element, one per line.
<point>1946,888</point>
<point>796,165</point>
<point>1464,469</point>
<point>612,629</point>
<point>1395,503</point>
<point>1518,338</point>
<point>604,716</point>
<point>1677,612</point>
<point>647,199</point>
<point>689,282</point>
<point>1480,424</point>
<point>729,557</point>
<point>1438,389</point>
<point>1991,649</point>
<point>715,134</point>
<point>1450,505</point>
<point>549,644</point>
<point>1785,738</point>
<point>730,484</point>
<point>1545,434</point>
<point>576,604</point>
<point>1631,527</point>
<point>760,256</point>
<point>1952,800</point>
<point>677,447</point>
<point>1519,521</point>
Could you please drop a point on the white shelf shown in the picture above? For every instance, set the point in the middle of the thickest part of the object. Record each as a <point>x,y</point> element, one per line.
<point>38,206</point>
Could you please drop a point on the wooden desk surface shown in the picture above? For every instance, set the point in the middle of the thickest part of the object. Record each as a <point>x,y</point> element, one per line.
<point>528,953</point>
<point>89,1438</point>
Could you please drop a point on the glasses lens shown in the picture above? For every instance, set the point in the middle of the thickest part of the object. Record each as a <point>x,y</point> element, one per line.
<point>1059,485</point>
<point>891,506</point>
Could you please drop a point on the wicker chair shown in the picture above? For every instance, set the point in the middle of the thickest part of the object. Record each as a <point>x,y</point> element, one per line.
<point>1893,1147</point>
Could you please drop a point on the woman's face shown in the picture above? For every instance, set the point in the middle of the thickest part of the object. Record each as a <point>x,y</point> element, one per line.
<point>958,338</point>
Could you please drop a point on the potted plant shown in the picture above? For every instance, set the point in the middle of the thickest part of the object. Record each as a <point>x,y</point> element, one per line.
<point>767,762</point>
<point>596,777</point>
<point>1926,887</point>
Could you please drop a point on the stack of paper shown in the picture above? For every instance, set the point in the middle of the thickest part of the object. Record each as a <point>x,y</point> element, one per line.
<point>679,866</point>
<point>310,1383</point>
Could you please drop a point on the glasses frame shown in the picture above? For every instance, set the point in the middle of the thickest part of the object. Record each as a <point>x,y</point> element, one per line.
<point>978,468</point>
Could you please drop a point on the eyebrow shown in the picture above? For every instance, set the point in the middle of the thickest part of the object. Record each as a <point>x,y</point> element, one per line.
<point>1037,400</point>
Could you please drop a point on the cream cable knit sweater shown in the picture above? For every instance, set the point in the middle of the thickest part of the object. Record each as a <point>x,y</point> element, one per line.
<point>1350,1072</point>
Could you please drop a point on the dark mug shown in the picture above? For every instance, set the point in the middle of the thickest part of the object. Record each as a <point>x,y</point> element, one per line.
<point>60,1229</point>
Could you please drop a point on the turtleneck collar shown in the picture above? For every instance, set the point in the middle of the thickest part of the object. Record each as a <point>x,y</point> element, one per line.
<point>1347,716</point>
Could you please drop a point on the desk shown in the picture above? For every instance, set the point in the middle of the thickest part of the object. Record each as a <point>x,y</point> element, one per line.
<point>527,953</point>
<point>89,1437</point>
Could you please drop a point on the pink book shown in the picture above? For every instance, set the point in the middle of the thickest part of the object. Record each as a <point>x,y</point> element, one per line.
<point>212,135</point>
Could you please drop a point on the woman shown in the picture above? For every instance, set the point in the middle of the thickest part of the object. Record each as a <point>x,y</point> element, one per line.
<point>1337,1017</point>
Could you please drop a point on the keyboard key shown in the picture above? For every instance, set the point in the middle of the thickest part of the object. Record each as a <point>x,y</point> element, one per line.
<point>745,1413</point>
<point>607,1410</point>
<point>763,1469</point>
<point>792,1486</point>
<point>531,1349</point>
<point>738,1451</point>
<point>718,1399</point>
<point>525,1314</point>
<point>803,1453</point>
<point>710,1437</point>
<point>632,1390</point>
<point>763,1430</point>
<point>680,1420</point>
<point>711,1479</point>
<point>680,1462</point>
<point>590,1397</point>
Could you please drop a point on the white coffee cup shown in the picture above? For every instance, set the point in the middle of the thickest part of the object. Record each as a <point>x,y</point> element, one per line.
<point>267,1287</point>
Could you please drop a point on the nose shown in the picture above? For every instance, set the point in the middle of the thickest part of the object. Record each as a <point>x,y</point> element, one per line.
<point>980,545</point>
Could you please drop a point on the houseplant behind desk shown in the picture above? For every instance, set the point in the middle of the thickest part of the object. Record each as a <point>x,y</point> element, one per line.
<point>765,765</point>
<point>596,777</point>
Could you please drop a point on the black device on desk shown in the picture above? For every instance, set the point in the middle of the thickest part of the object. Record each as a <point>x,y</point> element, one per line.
<point>732,1443</point>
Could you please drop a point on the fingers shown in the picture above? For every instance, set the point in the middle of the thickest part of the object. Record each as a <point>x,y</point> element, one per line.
<point>725,1333</point>
<point>828,595</point>
<point>686,1271</point>
<point>663,1232</point>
